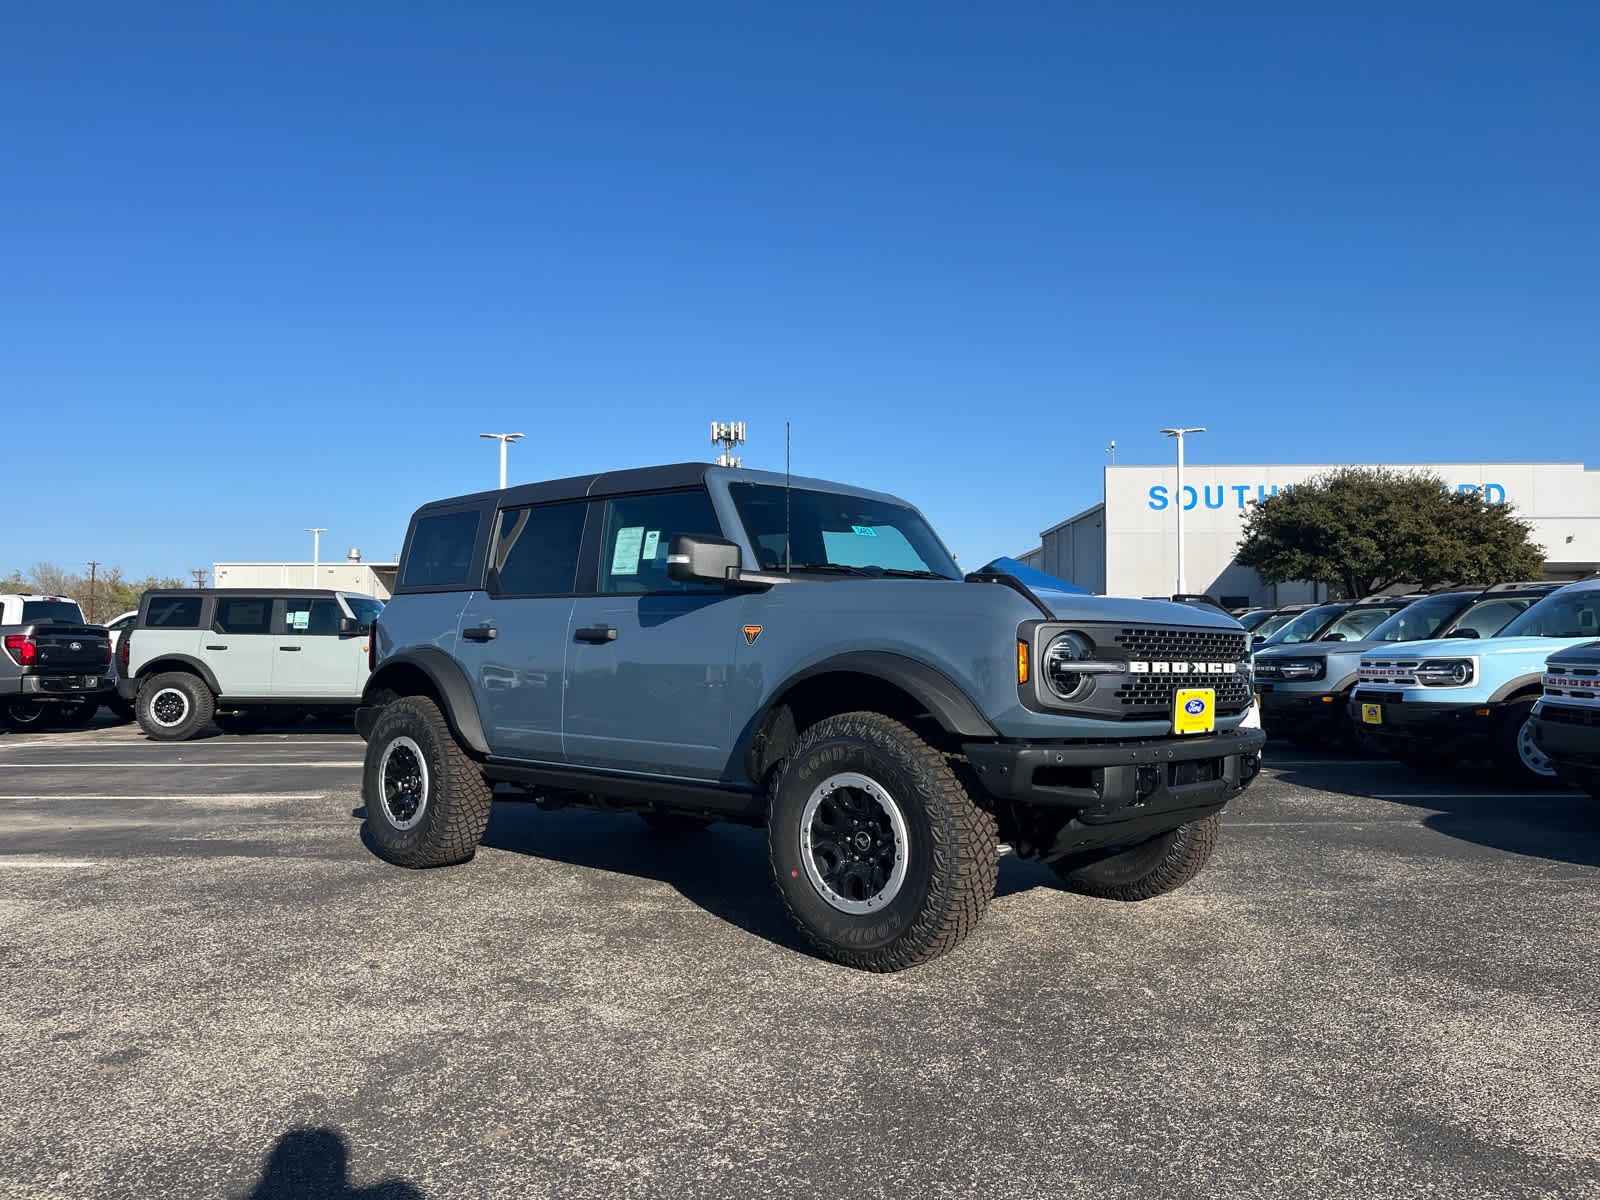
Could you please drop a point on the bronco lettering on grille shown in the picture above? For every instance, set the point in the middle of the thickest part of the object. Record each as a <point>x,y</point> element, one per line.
<point>1181,667</point>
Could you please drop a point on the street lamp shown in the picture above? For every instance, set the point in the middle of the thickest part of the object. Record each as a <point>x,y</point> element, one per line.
<point>1178,434</point>
<point>316,551</point>
<point>504,439</point>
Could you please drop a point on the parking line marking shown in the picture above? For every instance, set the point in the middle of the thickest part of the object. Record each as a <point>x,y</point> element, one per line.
<point>44,864</point>
<point>178,796</point>
<point>1462,795</point>
<point>227,765</point>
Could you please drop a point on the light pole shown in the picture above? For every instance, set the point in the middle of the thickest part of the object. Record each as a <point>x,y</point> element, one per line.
<point>316,552</point>
<point>1178,434</point>
<point>504,439</point>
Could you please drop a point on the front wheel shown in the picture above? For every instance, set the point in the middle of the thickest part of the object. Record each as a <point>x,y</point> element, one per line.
<point>175,706</point>
<point>1517,756</point>
<point>877,850</point>
<point>1149,869</point>
<point>427,801</point>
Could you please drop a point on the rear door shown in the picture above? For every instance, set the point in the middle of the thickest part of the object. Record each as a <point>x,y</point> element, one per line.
<point>239,647</point>
<point>512,638</point>
<point>650,660</point>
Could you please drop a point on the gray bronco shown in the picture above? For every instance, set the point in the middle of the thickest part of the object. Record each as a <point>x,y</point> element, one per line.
<point>700,644</point>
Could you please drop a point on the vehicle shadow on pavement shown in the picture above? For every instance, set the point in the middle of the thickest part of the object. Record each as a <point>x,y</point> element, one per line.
<point>313,1164</point>
<point>722,869</point>
<point>1471,805</point>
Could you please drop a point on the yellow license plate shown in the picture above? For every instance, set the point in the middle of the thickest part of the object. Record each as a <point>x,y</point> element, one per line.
<point>1194,710</point>
<point>1372,714</point>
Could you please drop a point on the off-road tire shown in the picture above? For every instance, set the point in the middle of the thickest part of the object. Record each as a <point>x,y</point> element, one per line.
<point>1152,868</point>
<point>947,863</point>
<point>25,715</point>
<point>427,802</point>
<point>1517,757</point>
<point>175,706</point>
<point>674,823</point>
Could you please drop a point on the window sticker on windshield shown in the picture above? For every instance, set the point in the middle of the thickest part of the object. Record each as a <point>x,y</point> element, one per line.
<point>651,541</point>
<point>625,558</point>
<point>864,530</point>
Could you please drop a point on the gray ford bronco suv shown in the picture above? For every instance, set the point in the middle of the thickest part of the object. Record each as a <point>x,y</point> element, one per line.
<point>699,643</point>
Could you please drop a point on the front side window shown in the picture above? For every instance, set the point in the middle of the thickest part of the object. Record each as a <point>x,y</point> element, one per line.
<point>535,550</point>
<point>1306,626</point>
<point>441,551</point>
<point>365,609</point>
<point>243,614</point>
<point>637,532</point>
<point>1357,624</point>
<point>314,618</point>
<point>1489,618</point>
<point>173,612</point>
<point>820,531</point>
<point>1416,622</point>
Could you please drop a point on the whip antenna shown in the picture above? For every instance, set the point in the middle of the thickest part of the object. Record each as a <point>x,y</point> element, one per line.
<point>786,490</point>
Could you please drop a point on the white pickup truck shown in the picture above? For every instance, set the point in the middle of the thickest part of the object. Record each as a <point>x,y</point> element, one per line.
<point>56,668</point>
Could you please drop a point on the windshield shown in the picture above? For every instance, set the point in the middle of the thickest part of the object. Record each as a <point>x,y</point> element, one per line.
<point>51,612</point>
<point>365,609</point>
<point>1420,621</point>
<point>853,535</point>
<point>1565,614</point>
<point>1307,625</point>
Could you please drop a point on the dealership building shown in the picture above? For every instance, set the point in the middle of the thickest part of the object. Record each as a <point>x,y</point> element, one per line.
<point>1127,544</point>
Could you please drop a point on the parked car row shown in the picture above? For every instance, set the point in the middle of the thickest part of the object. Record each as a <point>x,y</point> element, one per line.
<point>1510,673</point>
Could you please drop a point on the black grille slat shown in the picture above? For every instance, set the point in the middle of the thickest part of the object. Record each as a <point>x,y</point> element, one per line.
<point>1209,645</point>
<point>1556,715</point>
<point>1157,693</point>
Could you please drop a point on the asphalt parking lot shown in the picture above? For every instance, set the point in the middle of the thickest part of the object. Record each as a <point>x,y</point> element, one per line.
<point>1383,986</point>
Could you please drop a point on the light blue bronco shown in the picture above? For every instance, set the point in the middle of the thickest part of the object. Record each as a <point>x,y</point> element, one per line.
<point>698,643</point>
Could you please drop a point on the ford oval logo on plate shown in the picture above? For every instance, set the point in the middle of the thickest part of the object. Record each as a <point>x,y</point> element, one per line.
<point>75,646</point>
<point>1195,707</point>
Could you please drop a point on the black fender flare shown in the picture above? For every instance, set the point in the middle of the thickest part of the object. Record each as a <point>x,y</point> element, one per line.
<point>948,704</point>
<point>167,662</point>
<point>449,681</point>
<point>1523,683</point>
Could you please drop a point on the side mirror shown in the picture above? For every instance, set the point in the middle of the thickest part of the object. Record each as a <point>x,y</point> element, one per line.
<point>693,559</point>
<point>1334,637</point>
<point>1466,633</point>
<point>702,560</point>
<point>349,625</point>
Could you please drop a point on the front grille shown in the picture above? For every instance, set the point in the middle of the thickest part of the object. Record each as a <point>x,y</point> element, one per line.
<point>1399,672</point>
<point>1556,715</point>
<point>1382,697</point>
<point>1206,645</point>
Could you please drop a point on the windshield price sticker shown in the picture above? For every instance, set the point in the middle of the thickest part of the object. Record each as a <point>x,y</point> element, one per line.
<point>1194,710</point>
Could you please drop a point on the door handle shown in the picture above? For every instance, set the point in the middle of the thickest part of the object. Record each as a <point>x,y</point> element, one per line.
<point>296,649</point>
<point>599,634</point>
<point>480,633</point>
<point>216,647</point>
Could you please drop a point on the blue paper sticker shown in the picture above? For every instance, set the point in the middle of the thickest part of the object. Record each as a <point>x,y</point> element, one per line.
<point>864,530</point>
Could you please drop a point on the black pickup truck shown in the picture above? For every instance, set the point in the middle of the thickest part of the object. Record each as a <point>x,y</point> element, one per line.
<point>56,668</point>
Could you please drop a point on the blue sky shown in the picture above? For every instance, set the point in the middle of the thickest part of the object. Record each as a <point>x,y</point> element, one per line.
<point>274,266</point>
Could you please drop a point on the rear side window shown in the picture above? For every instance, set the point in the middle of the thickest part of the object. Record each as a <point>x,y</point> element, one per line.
<point>536,550</point>
<point>173,612</point>
<point>50,612</point>
<point>638,529</point>
<point>441,551</point>
<point>243,614</point>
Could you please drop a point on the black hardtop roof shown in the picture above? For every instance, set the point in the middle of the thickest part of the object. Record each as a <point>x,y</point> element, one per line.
<point>256,591</point>
<point>641,479</point>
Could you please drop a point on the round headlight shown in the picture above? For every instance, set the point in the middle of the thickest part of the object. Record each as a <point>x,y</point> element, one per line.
<point>1064,650</point>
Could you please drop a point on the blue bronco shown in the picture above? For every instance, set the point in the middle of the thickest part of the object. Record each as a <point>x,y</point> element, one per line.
<point>699,644</point>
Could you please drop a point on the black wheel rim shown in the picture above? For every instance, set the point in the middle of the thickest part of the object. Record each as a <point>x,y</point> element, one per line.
<point>403,780</point>
<point>169,707</point>
<point>853,843</point>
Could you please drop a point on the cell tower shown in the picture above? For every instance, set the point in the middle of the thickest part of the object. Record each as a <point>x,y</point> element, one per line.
<point>728,434</point>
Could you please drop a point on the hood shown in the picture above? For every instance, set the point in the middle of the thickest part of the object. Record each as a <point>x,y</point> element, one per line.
<point>1319,649</point>
<point>1538,648</point>
<point>1068,602</point>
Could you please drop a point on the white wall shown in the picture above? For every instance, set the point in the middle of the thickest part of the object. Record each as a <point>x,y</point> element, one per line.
<point>375,579</point>
<point>1561,500</point>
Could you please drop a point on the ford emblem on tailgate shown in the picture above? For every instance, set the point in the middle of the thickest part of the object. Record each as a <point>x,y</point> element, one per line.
<point>75,646</point>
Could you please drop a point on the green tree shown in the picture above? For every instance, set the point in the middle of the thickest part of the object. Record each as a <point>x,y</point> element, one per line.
<point>1361,529</point>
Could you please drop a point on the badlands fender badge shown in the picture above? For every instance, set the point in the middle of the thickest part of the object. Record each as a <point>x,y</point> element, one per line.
<point>751,633</point>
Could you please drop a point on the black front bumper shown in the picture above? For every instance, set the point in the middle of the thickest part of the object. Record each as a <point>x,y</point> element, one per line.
<point>1432,730</point>
<point>1300,712</point>
<point>1107,782</point>
<point>1571,737</point>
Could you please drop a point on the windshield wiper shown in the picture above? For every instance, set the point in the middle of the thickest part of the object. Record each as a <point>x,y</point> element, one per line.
<point>907,573</point>
<point>841,568</point>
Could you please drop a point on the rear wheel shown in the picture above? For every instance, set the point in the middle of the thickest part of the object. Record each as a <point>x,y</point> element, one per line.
<point>23,715</point>
<point>427,801</point>
<point>1151,868</point>
<point>175,706</point>
<point>877,850</point>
